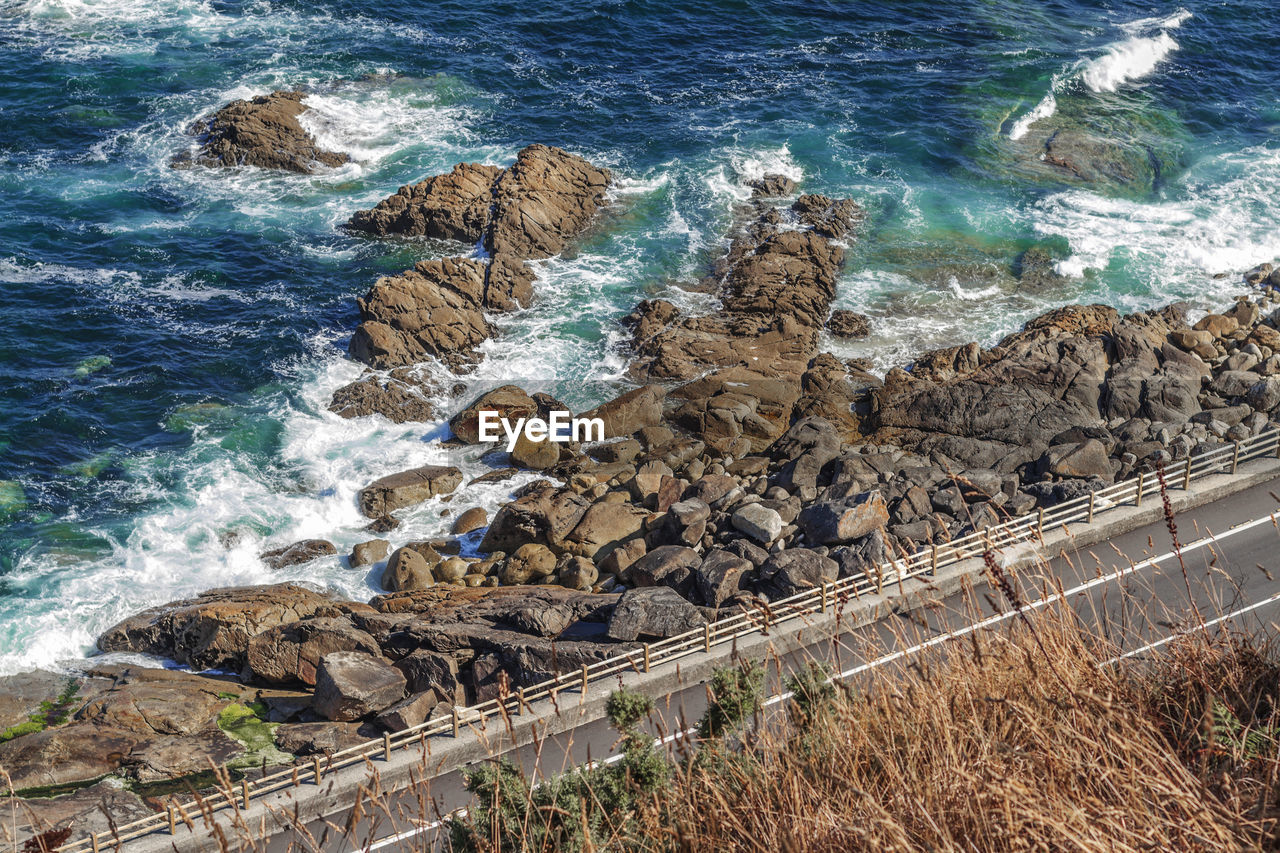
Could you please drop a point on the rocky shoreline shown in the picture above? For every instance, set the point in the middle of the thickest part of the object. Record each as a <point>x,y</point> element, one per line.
<point>745,465</point>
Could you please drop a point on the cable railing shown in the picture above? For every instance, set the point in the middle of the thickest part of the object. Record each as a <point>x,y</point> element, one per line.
<point>745,623</point>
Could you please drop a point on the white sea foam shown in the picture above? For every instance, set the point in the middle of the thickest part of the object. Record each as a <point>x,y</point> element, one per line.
<point>1128,61</point>
<point>1122,62</point>
<point>1222,222</point>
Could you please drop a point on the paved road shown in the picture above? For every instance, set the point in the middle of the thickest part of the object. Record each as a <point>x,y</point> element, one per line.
<point>1116,586</point>
<point>1133,589</point>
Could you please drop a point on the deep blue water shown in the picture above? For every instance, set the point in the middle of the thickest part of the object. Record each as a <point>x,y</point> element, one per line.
<point>171,337</point>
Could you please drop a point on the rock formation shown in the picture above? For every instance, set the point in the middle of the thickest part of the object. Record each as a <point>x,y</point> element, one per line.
<point>263,131</point>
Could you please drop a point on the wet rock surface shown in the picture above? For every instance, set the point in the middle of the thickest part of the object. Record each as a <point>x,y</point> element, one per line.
<point>262,131</point>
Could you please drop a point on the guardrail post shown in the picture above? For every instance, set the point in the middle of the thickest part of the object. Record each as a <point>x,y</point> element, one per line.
<point>1235,457</point>
<point>1093,496</point>
<point>520,699</point>
<point>585,679</point>
<point>706,637</point>
<point>646,657</point>
<point>456,722</point>
<point>1040,522</point>
<point>386,746</point>
<point>1186,476</point>
<point>315,768</point>
<point>244,791</point>
<point>933,560</point>
<point>824,597</point>
<point>173,820</point>
<point>1141,478</point>
<point>94,840</point>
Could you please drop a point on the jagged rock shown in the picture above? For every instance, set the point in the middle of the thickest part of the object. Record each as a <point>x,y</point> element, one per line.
<point>409,712</point>
<point>291,653</point>
<point>667,565</point>
<point>654,612</point>
<point>444,207</point>
<point>848,324</point>
<point>545,199</point>
<point>772,186</point>
<point>473,519</point>
<point>1264,395</point>
<point>809,444</point>
<point>407,488</point>
<point>827,216</point>
<point>212,631</point>
<point>863,557</point>
<point>719,577</point>
<point>298,553</point>
<point>1233,383</point>
<point>368,553</point>
<point>398,397</point>
<point>351,685</point>
<point>838,522</point>
<point>1087,460</point>
<point>795,570</point>
<point>425,670</point>
<point>262,131</point>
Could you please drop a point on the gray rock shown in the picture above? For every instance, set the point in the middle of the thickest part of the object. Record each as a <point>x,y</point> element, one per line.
<point>1264,395</point>
<point>862,557</point>
<point>795,570</point>
<point>368,553</point>
<point>759,522</point>
<point>425,670</point>
<point>351,685</point>
<point>655,612</point>
<point>720,576</point>
<point>1233,383</point>
<point>409,712</point>
<point>667,565</point>
<point>837,522</point>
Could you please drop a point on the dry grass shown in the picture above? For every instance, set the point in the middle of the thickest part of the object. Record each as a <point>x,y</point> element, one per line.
<point>991,749</point>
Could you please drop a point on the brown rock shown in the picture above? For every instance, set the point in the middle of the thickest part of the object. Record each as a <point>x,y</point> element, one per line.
<point>212,631</point>
<point>350,685</point>
<point>263,132</point>
<point>445,207</point>
<point>848,324</point>
<point>473,519</point>
<point>407,570</point>
<point>535,455</point>
<point>291,653</point>
<point>298,553</point>
<point>398,397</point>
<point>542,201</point>
<point>407,488</point>
<point>368,553</point>
<point>318,738</point>
<point>508,401</point>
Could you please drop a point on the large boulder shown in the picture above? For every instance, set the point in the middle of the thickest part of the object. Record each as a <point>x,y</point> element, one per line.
<point>604,527</point>
<point>838,522</point>
<point>795,570</point>
<point>719,576</point>
<point>630,412</point>
<point>541,202</point>
<point>544,515</point>
<point>506,401</point>
<point>655,612</point>
<point>410,569</point>
<point>212,630</point>
<point>351,685</point>
<point>407,488</point>
<point>263,131</point>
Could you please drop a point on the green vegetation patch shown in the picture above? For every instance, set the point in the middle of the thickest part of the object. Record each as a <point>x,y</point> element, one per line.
<point>248,724</point>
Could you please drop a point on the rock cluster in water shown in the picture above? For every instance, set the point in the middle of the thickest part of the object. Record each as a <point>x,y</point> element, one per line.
<point>746,466</point>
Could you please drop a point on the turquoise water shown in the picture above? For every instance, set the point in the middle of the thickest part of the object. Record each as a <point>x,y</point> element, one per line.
<point>172,337</point>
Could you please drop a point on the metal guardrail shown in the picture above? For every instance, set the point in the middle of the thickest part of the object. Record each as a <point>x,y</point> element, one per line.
<point>1024,528</point>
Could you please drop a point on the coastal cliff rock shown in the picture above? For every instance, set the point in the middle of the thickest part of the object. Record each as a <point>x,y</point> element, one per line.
<point>528,211</point>
<point>263,131</point>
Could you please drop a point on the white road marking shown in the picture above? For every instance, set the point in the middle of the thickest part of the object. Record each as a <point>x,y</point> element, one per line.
<point>935,641</point>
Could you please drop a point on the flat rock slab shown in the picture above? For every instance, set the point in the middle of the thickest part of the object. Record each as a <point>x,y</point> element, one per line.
<point>407,488</point>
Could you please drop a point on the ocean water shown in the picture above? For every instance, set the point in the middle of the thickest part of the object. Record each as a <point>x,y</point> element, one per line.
<point>171,338</point>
